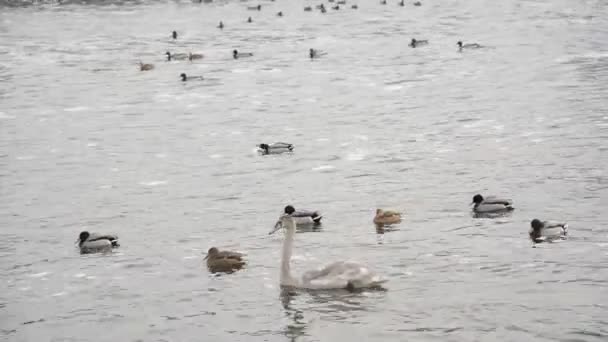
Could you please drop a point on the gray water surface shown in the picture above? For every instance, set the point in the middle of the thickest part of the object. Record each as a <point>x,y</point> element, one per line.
<point>87,141</point>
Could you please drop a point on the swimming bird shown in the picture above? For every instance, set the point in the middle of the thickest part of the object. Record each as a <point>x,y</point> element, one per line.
<point>468,46</point>
<point>303,217</point>
<point>95,243</point>
<point>338,275</point>
<point>546,231</point>
<point>417,3</point>
<point>383,2</point>
<point>322,8</point>
<point>354,6</point>
<point>255,8</point>
<point>280,14</point>
<point>176,56</point>
<point>307,9</point>
<point>275,148</point>
<point>415,42</point>
<point>314,53</point>
<point>174,34</point>
<point>337,7</point>
<point>189,78</point>
<point>342,2</point>
<point>249,20</point>
<point>145,67</point>
<point>193,56</point>
<point>236,54</point>
<point>387,217</point>
<point>491,204</point>
<point>224,261</point>
<point>221,25</point>
<point>402,3</point>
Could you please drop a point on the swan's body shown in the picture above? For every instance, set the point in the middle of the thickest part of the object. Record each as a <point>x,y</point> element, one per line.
<point>96,243</point>
<point>337,275</point>
<point>491,204</point>
<point>387,217</point>
<point>224,261</point>
<point>547,231</point>
<point>275,148</point>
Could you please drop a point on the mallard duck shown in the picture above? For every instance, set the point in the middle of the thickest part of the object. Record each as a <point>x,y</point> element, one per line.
<point>416,42</point>
<point>354,6</point>
<point>387,217</point>
<point>303,217</point>
<point>96,243</point>
<point>546,231</point>
<point>193,56</point>
<point>342,2</point>
<point>402,3</point>
<point>307,9</point>
<point>224,261</point>
<point>280,14</point>
<point>221,25</point>
<point>176,56</point>
<point>236,54</point>
<point>462,46</point>
<point>383,2</point>
<point>145,67</point>
<point>491,204</point>
<point>275,148</point>
<point>314,53</point>
<point>255,8</point>
<point>417,3</point>
<point>185,77</point>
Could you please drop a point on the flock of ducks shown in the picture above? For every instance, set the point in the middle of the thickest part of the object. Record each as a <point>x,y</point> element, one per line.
<point>337,275</point>
<point>312,53</point>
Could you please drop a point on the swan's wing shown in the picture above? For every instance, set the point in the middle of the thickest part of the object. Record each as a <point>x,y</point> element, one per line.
<point>340,274</point>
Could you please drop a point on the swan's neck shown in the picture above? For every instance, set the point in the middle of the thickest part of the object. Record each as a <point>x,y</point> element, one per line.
<point>286,277</point>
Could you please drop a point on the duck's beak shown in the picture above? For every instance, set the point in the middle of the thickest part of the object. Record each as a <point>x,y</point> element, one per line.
<point>206,257</point>
<point>277,226</point>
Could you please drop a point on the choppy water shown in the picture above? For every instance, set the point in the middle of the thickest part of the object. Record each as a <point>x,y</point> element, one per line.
<point>89,141</point>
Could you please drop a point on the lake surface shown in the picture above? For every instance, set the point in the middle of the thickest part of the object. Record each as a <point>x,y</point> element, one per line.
<point>87,141</point>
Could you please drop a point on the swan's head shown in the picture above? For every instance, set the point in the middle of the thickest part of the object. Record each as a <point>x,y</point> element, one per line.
<point>82,237</point>
<point>212,252</point>
<point>477,199</point>
<point>285,221</point>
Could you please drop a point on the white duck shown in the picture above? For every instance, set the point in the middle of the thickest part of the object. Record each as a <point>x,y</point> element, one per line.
<point>96,243</point>
<point>546,231</point>
<point>338,275</point>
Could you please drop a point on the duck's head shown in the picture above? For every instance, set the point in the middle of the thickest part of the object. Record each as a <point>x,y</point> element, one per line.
<point>459,44</point>
<point>289,210</point>
<point>264,147</point>
<point>536,224</point>
<point>212,252</point>
<point>183,76</point>
<point>83,237</point>
<point>477,199</point>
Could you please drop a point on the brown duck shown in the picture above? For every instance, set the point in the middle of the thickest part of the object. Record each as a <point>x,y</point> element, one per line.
<point>224,261</point>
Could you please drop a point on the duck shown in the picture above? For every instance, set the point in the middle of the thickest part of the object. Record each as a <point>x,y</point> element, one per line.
<point>221,25</point>
<point>236,54</point>
<point>280,14</point>
<point>354,6</point>
<point>383,2</point>
<point>255,8</point>
<point>249,20</point>
<point>303,217</point>
<point>174,34</point>
<point>348,275</point>
<point>145,67</point>
<point>491,204</point>
<point>337,7</point>
<point>223,261</point>
<point>275,148</point>
<point>387,217</point>
<point>185,77</point>
<point>314,53</point>
<point>176,56</point>
<point>415,42</point>
<point>342,2</point>
<point>417,3</point>
<point>322,8</point>
<point>193,56</point>
<point>468,46</point>
<point>402,3</point>
<point>96,243</point>
<point>547,231</point>
<point>307,9</point>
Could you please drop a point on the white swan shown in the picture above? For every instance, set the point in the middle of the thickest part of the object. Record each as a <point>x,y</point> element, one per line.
<point>338,275</point>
